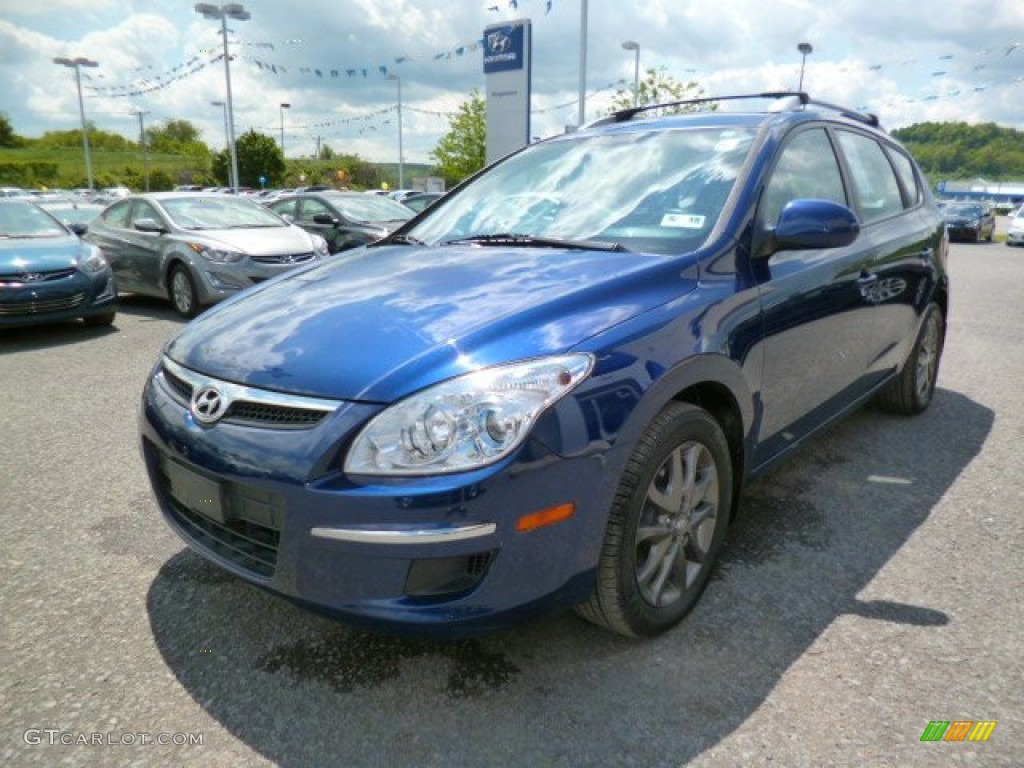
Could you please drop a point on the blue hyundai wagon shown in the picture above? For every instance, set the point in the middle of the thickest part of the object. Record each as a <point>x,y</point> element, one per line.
<point>548,389</point>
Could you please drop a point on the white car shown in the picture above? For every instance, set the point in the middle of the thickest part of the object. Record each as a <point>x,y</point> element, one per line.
<point>1015,232</point>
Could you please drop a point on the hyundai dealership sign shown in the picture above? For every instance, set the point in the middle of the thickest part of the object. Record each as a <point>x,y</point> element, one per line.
<point>507,49</point>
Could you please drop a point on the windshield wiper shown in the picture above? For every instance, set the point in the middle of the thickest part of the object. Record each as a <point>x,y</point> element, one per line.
<point>399,240</point>
<point>531,241</point>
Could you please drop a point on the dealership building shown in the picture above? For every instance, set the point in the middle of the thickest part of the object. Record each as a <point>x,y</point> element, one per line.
<point>1001,193</point>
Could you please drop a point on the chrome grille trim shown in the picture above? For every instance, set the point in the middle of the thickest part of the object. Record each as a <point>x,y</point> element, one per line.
<point>13,308</point>
<point>247,406</point>
<point>291,258</point>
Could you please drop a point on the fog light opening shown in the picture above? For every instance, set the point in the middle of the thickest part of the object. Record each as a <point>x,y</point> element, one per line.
<point>545,517</point>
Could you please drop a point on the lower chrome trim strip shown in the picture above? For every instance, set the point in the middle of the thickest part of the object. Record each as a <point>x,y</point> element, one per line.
<point>406,535</point>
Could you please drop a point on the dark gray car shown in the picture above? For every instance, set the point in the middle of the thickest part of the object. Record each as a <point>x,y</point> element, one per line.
<point>196,248</point>
<point>344,219</point>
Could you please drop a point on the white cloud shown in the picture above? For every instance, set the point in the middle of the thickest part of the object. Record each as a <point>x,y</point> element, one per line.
<point>880,57</point>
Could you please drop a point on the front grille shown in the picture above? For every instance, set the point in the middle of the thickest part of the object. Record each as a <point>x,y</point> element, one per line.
<point>14,308</point>
<point>243,526</point>
<point>44,276</point>
<point>290,258</point>
<point>248,545</point>
<point>243,412</point>
<point>178,386</point>
<point>246,412</point>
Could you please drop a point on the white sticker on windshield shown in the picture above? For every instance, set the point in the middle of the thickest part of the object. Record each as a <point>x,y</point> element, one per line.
<point>682,221</point>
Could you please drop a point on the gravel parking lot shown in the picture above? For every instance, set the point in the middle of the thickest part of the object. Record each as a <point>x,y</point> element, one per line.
<point>872,585</point>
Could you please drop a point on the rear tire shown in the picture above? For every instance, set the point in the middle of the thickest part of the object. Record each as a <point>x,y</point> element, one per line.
<point>666,527</point>
<point>912,390</point>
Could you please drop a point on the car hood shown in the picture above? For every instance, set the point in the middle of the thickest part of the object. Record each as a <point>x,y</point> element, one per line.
<point>378,323</point>
<point>42,254</point>
<point>256,241</point>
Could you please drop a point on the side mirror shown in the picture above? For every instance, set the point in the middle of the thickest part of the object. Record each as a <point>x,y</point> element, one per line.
<point>78,227</point>
<point>812,224</point>
<point>324,218</point>
<point>149,225</point>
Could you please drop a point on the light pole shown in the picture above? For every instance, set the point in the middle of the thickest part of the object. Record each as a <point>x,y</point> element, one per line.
<point>284,105</point>
<point>237,12</point>
<point>630,45</point>
<point>804,49</point>
<point>227,139</point>
<point>401,162</point>
<point>583,64</point>
<point>142,144</point>
<point>77,65</point>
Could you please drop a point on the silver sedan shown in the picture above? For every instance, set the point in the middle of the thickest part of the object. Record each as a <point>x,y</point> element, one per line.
<point>197,249</point>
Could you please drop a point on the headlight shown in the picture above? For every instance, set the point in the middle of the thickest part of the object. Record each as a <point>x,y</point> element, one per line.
<point>95,263</point>
<point>216,255</point>
<point>467,422</point>
<point>319,245</point>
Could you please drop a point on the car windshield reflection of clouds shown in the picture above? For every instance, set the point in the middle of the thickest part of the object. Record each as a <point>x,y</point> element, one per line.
<point>651,191</point>
<point>18,219</point>
<point>213,213</point>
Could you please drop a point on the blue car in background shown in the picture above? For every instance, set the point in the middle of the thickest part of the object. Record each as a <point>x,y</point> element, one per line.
<point>47,274</point>
<point>548,390</point>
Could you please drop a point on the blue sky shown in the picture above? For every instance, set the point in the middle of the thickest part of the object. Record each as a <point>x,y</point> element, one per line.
<point>908,61</point>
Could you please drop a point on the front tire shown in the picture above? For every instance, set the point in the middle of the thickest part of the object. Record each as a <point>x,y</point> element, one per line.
<point>99,321</point>
<point>912,390</point>
<point>182,290</point>
<point>666,527</point>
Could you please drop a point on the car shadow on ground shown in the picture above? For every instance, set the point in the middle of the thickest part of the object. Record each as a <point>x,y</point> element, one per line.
<point>149,308</point>
<point>60,334</point>
<point>302,690</point>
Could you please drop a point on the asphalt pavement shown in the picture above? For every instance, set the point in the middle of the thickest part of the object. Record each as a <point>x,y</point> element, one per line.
<point>872,585</point>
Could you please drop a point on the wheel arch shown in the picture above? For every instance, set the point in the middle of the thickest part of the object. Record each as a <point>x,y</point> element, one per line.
<point>712,382</point>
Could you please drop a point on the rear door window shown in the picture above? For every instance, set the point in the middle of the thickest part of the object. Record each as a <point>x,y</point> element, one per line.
<point>876,191</point>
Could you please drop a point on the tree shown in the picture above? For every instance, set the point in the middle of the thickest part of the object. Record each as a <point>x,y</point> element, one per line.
<point>659,87</point>
<point>259,155</point>
<point>8,138</point>
<point>462,151</point>
<point>176,137</point>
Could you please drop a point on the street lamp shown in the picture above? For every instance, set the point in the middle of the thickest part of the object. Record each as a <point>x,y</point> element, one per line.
<point>142,144</point>
<point>630,45</point>
<point>227,139</point>
<point>284,105</point>
<point>401,162</point>
<point>77,65</point>
<point>804,49</point>
<point>237,12</point>
<point>583,64</point>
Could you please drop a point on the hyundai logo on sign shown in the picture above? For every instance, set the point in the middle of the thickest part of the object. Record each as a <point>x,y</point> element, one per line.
<point>503,49</point>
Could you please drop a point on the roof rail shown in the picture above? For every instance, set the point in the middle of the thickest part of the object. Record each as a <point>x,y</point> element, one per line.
<point>795,100</point>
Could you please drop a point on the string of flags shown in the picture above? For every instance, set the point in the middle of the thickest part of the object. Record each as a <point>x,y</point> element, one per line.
<point>514,5</point>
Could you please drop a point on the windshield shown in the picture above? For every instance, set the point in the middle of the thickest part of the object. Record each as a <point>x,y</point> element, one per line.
<point>952,209</point>
<point>370,208</point>
<point>219,212</point>
<point>653,191</point>
<point>18,219</point>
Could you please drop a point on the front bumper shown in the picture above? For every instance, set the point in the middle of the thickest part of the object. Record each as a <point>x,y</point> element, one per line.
<point>216,281</point>
<point>437,554</point>
<point>64,295</point>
